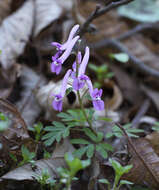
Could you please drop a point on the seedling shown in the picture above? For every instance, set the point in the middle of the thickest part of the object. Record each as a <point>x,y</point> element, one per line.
<point>27,156</point>
<point>119,171</point>
<point>102,72</point>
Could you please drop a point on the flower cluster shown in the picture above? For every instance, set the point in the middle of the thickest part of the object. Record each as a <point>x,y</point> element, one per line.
<point>77,72</point>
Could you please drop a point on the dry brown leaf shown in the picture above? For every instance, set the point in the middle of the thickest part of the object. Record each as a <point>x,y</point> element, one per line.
<point>8,79</point>
<point>153,139</point>
<point>140,174</point>
<point>14,33</point>
<point>28,105</point>
<point>26,172</point>
<point>4,9</point>
<point>45,97</point>
<point>152,94</point>
<point>16,134</point>
<point>127,84</point>
<point>48,11</point>
<point>116,100</point>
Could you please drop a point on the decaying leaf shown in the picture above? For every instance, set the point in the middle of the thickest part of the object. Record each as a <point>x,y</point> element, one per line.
<point>26,172</point>
<point>152,94</point>
<point>28,105</point>
<point>14,33</point>
<point>16,134</point>
<point>45,97</point>
<point>146,172</point>
<point>48,11</point>
<point>8,79</point>
<point>153,139</point>
<point>136,11</point>
<point>115,101</point>
<point>4,9</point>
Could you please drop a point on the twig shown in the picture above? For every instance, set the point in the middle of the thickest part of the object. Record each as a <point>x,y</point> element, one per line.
<point>136,152</point>
<point>139,65</point>
<point>100,11</point>
<point>137,29</point>
<point>140,113</point>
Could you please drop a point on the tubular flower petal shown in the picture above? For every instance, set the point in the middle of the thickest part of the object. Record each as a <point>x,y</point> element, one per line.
<point>79,81</point>
<point>56,65</point>
<point>96,94</point>
<point>70,37</point>
<point>57,102</point>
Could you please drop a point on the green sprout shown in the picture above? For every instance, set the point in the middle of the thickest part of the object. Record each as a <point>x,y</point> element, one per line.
<point>27,156</point>
<point>45,180</point>
<point>37,129</point>
<point>119,171</point>
<point>102,72</point>
<point>74,165</point>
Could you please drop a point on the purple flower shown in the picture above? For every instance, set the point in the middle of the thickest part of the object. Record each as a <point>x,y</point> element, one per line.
<point>79,81</point>
<point>56,65</point>
<point>96,94</point>
<point>57,102</point>
<point>70,38</point>
<point>79,58</point>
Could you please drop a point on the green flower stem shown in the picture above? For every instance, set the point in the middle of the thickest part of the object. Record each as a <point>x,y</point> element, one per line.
<point>117,177</point>
<point>84,112</point>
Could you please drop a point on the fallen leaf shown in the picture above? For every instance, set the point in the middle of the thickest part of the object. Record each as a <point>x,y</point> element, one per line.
<point>5,7</point>
<point>152,94</point>
<point>115,101</point>
<point>140,174</point>
<point>136,11</point>
<point>48,11</point>
<point>45,97</point>
<point>13,36</point>
<point>31,81</point>
<point>26,172</point>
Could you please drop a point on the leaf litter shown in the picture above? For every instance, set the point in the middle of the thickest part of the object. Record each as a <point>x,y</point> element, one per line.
<point>26,88</point>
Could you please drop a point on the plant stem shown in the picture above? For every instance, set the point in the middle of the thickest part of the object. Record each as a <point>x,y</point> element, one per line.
<point>84,112</point>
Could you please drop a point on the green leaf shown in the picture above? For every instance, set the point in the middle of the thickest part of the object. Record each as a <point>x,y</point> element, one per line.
<point>136,11</point>
<point>93,67</point>
<point>127,168</point>
<point>109,135</point>
<point>106,146</point>
<point>4,122</point>
<point>122,57</point>
<point>90,151</point>
<point>122,182</point>
<point>0,52</point>
<point>107,119</point>
<point>105,181</point>
<point>79,141</point>
<point>56,132</point>
<point>101,151</point>
<point>90,134</point>
<point>100,136</point>
<point>116,165</point>
<point>80,152</point>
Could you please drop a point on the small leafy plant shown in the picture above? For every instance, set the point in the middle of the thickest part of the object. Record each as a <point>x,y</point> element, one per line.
<point>74,165</point>
<point>4,122</point>
<point>95,143</point>
<point>45,180</point>
<point>37,129</point>
<point>119,171</point>
<point>27,156</point>
<point>117,132</point>
<point>102,72</point>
